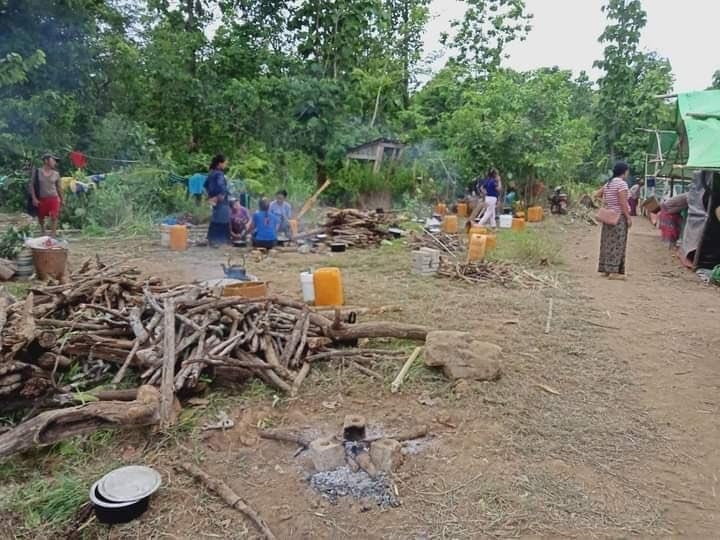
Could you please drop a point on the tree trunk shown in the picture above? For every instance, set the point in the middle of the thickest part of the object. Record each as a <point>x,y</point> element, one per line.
<point>54,426</point>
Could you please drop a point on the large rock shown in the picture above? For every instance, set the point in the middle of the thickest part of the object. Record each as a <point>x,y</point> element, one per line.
<point>462,356</point>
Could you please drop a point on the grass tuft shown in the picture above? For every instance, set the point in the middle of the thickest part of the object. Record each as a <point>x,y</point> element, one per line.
<point>529,247</point>
<point>48,502</point>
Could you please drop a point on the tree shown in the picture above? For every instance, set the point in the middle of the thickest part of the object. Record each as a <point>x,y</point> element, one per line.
<point>487,27</point>
<point>402,38</point>
<point>50,51</point>
<point>716,81</point>
<point>336,36</point>
<point>631,79</point>
<point>510,122</point>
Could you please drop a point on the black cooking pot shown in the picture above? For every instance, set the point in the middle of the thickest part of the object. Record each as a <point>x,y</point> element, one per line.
<point>111,513</point>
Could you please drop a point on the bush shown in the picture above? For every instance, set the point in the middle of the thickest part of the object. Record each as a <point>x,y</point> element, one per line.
<point>356,178</point>
<point>131,200</point>
<point>13,194</point>
<point>118,137</point>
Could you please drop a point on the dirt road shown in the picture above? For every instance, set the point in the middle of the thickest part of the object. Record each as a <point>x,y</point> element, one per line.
<point>669,336</point>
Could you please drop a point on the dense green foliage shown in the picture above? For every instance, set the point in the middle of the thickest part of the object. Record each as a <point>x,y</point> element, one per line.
<point>284,88</point>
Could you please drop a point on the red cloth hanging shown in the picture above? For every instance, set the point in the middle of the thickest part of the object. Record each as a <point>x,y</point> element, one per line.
<point>78,159</point>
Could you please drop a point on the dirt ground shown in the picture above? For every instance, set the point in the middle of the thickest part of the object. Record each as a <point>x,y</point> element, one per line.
<point>605,427</point>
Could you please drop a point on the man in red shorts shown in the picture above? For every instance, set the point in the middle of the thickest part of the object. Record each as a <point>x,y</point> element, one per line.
<point>46,192</point>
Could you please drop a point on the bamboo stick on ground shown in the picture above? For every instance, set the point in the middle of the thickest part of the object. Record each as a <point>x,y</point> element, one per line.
<point>395,386</point>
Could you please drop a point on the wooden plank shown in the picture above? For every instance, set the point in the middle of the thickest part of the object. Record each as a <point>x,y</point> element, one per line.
<point>312,200</point>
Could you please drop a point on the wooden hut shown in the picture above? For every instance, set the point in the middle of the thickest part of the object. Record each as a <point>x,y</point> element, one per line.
<point>377,151</point>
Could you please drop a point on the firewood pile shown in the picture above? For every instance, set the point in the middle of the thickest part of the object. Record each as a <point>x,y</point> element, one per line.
<point>504,274</point>
<point>109,320</point>
<point>357,228</point>
<point>449,243</point>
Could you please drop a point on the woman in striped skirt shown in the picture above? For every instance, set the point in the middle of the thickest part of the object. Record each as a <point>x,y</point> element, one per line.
<point>613,240</point>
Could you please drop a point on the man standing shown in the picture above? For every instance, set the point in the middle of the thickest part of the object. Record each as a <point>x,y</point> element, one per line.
<point>46,192</point>
<point>634,197</point>
<point>282,209</point>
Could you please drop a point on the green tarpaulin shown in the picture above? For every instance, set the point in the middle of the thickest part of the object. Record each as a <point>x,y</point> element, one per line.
<point>698,117</point>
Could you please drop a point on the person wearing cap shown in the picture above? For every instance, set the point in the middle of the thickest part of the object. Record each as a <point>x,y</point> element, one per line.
<point>46,192</point>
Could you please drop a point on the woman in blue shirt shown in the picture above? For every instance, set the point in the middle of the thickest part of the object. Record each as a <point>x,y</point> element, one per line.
<point>264,227</point>
<point>216,187</point>
<point>491,188</point>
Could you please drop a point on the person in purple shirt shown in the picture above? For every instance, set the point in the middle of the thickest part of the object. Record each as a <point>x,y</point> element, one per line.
<point>491,189</point>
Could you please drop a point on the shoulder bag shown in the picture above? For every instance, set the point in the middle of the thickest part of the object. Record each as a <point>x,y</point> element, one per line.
<point>605,215</point>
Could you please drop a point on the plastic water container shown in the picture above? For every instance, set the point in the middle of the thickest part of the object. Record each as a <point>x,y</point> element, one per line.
<point>518,224</point>
<point>490,242</point>
<point>477,247</point>
<point>440,209</point>
<point>178,238</point>
<point>535,214</point>
<point>165,236</point>
<point>449,225</point>
<point>476,229</point>
<point>462,209</point>
<point>308,287</point>
<point>327,283</point>
<point>506,221</point>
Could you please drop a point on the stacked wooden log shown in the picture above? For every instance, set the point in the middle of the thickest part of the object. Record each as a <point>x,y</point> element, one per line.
<point>110,320</point>
<point>357,228</point>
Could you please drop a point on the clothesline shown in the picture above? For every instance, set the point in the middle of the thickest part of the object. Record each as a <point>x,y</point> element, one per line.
<point>97,158</point>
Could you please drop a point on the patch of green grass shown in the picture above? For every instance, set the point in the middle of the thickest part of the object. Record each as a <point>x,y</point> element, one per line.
<point>47,502</point>
<point>18,289</point>
<point>256,390</point>
<point>533,246</point>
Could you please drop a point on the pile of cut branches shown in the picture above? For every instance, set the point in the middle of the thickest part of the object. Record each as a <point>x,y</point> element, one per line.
<point>355,228</point>
<point>449,243</point>
<point>107,321</point>
<point>504,274</point>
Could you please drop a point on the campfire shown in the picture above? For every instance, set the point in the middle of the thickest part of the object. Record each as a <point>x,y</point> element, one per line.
<point>357,465</point>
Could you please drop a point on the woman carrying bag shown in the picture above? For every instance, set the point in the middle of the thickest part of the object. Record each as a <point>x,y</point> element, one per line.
<point>616,221</point>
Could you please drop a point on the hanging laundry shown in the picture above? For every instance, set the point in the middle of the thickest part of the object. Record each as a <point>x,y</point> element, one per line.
<point>78,159</point>
<point>196,183</point>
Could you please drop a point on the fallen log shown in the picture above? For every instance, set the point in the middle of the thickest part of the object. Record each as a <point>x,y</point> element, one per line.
<point>58,425</point>
<point>379,329</point>
<point>416,433</point>
<point>232,499</point>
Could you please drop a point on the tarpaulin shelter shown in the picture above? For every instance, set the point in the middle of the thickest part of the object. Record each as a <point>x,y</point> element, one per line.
<point>698,149</point>
<point>698,120</point>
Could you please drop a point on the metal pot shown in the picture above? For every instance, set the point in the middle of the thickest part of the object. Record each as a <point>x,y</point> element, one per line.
<point>112,513</point>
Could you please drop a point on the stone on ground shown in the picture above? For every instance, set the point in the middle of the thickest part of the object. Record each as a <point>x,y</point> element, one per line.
<point>386,454</point>
<point>463,356</point>
<point>326,454</point>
